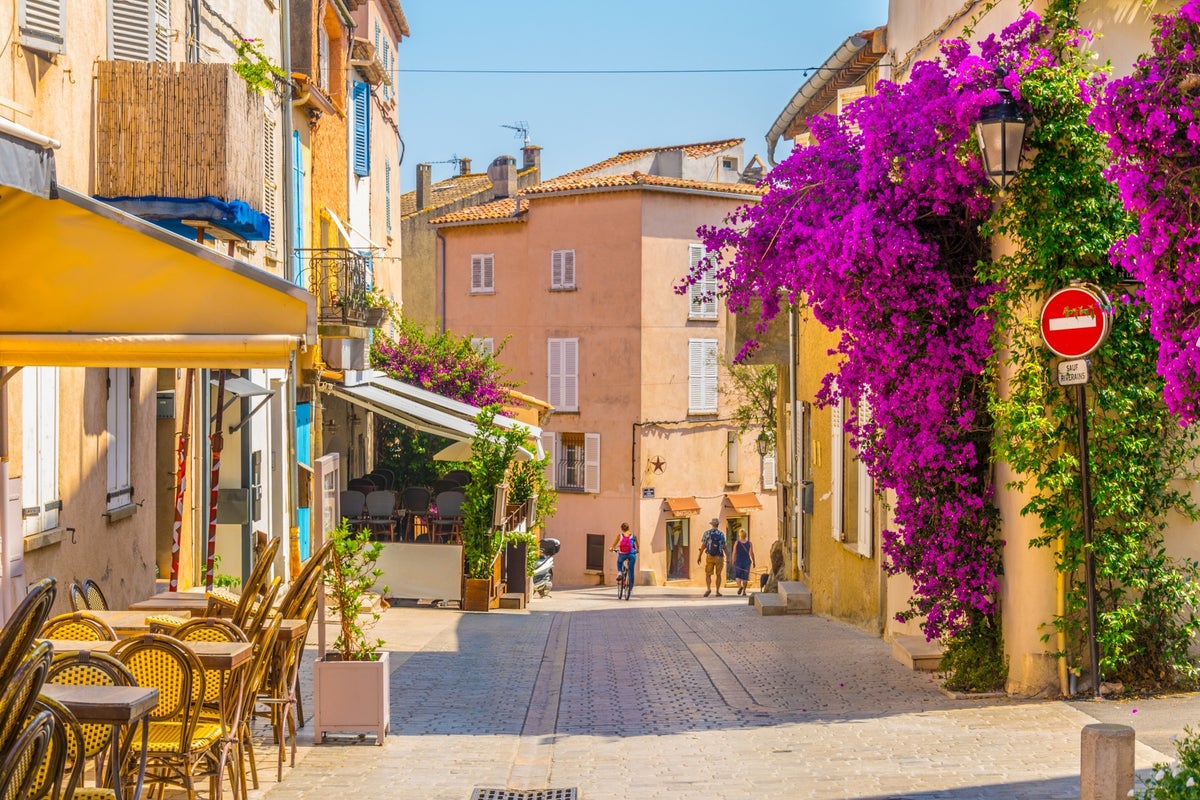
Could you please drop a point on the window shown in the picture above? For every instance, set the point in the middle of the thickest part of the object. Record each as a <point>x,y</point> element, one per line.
<point>595,552</point>
<point>42,25</point>
<point>562,369</point>
<point>484,345</point>
<point>361,97</point>
<point>702,376</point>
<point>119,435</point>
<point>562,269</point>
<point>483,273</point>
<point>678,534</point>
<point>852,488</point>
<point>575,461</point>
<point>40,503</point>
<point>270,183</point>
<point>729,163</point>
<point>139,30</point>
<point>702,295</point>
<point>848,95</point>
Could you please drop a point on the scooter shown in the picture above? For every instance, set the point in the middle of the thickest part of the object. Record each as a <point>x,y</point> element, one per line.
<point>543,573</point>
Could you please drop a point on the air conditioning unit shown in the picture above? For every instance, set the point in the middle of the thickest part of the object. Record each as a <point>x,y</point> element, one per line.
<point>344,353</point>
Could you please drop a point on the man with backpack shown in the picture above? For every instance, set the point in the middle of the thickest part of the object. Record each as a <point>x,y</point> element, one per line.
<point>712,550</point>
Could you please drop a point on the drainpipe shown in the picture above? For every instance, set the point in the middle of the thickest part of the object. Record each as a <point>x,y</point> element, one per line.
<point>6,593</point>
<point>797,454</point>
<point>293,468</point>
<point>441,277</point>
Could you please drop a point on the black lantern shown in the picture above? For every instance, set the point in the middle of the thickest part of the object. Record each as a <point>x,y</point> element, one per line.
<point>763,443</point>
<point>1001,130</point>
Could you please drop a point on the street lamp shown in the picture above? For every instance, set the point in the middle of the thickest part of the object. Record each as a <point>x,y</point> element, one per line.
<point>1001,131</point>
<point>763,443</point>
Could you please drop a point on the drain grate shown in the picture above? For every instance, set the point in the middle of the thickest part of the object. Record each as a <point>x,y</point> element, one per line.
<point>525,794</point>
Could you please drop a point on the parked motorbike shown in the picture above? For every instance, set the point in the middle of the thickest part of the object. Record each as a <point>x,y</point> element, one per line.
<point>543,573</point>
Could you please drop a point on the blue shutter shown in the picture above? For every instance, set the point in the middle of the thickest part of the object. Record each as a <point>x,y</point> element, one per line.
<point>362,129</point>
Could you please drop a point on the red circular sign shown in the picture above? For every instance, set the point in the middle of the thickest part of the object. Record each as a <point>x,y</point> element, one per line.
<point>1075,321</point>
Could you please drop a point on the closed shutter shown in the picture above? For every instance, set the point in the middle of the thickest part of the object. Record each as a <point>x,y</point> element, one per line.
<point>39,444</point>
<point>768,472</point>
<point>42,25</point>
<point>562,269</point>
<point>119,434</point>
<point>591,463</point>
<point>270,182</point>
<point>702,295</point>
<point>361,97</point>
<point>554,373</point>
<point>483,273</point>
<point>162,30</point>
<point>562,372</point>
<point>836,458</point>
<point>387,195</point>
<point>866,495</point>
<point>550,448</point>
<point>484,345</point>
<point>702,376</point>
<point>133,30</point>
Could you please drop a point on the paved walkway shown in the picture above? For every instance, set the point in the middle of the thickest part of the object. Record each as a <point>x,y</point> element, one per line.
<point>672,695</point>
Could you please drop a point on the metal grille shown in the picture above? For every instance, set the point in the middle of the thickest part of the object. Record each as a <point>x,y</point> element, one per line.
<point>525,794</point>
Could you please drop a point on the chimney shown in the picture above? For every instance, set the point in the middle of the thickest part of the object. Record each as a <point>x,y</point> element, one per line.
<point>503,175</point>
<point>424,185</point>
<point>464,166</point>
<point>533,158</point>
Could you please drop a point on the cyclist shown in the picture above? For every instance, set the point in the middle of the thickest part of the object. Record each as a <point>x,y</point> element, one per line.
<point>625,546</point>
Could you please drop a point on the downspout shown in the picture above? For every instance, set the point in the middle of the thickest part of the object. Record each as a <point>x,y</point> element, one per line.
<point>440,276</point>
<point>289,227</point>
<point>797,454</point>
<point>193,35</point>
<point>6,593</point>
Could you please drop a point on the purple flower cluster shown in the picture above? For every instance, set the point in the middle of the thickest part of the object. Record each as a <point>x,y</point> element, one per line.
<point>1152,119</point>
<point>444,364</point>
<point>875,228</point>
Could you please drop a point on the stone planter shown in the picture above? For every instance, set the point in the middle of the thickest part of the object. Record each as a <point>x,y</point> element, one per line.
<point>351,696</point>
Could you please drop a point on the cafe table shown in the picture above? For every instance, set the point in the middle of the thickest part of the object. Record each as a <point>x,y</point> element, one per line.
<point>129,623</point>
<point>118,706</point>
<point>195,602</point>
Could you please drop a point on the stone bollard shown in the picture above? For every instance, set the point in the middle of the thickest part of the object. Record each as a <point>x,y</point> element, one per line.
<point>1106,762</point>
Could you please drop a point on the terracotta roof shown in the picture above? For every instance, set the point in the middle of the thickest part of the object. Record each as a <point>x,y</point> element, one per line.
<point>451,190</point>
<point>495,211</point>
<point>696,150</point>
<point>582,181</point>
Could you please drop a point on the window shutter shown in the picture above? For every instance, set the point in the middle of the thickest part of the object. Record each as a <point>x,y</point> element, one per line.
<point>42,25</point>
<point>554,374</point>
<point>702,295</point>
<point>387,194</point>
<point>866,495</point>
<point>483,273</point>
<point>836,458</point>
<point>569,269</point>
<point>361,96</point>
<point>484,345</point>
<point>571,374</point>
<point>702,376</point>
<point>733,474</point>
<point>162,30</point>
<point>476,273</point>
<point>270,181</point>
<point>133,30</point>
<point>39,444</point>
<point>768,472</point>
<point>119,434</point>
<point>489,273</point>
<point>550,447</point>
<point>556,269</point>
<point>591,463</point>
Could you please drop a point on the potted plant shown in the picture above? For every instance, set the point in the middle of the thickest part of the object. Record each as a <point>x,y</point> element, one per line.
<point>350,681</point>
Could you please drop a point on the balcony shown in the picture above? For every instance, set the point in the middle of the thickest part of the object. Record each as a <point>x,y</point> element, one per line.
<point>337,277</point>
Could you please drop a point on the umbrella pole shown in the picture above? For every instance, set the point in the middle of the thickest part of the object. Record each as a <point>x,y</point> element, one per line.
<point>217,444</point>
<point>181,479</point>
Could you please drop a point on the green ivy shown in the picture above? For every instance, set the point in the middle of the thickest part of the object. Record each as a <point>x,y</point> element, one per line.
<point>255,67</point>
<point>1065,216</point>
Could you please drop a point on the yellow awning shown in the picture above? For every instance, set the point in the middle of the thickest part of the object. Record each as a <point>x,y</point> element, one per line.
<point>84,284</point>
<point>743,501</point>
<point>682,506</point>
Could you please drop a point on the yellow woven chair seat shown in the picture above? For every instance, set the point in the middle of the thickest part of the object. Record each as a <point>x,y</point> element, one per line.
<point>164,737</point>
<point>93,793</point>
<point>164,623</point>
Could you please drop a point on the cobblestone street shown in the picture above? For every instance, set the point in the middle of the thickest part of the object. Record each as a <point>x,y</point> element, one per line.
<point>672,695</point>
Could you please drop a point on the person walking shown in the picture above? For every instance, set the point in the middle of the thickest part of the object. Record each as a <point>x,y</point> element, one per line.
<point>743,560</point>
<point>712,551</point>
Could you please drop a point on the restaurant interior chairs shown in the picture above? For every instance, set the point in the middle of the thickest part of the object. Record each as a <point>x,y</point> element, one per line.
<point>78,626</point>
<point>447,525</point>
<point>444,485</point>
<point>95,598</point>
<point>58,775</point>
<point>381,510</point>
<point>83,668</point>
<point>414,502</point>
<point>354,504</point>
<point>20,760</point>
<point>181,747</point>
<point>459,477</point>
<point>77,597</point>
<point>383,479</point>
<point>17,635</point>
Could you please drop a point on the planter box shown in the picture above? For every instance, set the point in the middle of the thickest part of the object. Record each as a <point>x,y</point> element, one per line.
<point>351,696</point>
<point>477,594</point>
<point>374,317</point>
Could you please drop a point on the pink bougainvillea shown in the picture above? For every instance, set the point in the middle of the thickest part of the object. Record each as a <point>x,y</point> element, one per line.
<point>1152,119</point>
<point>442,363</point>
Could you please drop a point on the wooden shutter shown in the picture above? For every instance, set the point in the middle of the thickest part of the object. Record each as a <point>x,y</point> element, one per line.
<point>562,372</point>
<point>162,30</point>
<point>702,295</point>
<point>119,436</point>
<point>836,459</point>
<point>483,273</point>
<point>866,495</point>
<point>768,472</point>
<point>591,463</point>
<point>133,30</point>
<point>270,181</point>
<point>702,376</point>
<point>554,391</point>
<point>562,269</point>
<point>39,444</point>
<point>361,97</point>
<point>42,25</point>
<point>387,195</point>
<point>550,448</point>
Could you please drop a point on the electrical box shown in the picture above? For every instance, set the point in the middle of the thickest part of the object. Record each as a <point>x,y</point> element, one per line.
<point>806,497</point>
<point>233,506</point>
<point>166,404</point>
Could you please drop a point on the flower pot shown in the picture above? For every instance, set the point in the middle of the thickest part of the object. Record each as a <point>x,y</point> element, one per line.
<point>351,696</point>
<point>374,317</point>
<point>477,594</point>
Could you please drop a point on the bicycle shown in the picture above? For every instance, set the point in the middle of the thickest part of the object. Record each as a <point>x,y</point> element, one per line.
<point>624,582</point>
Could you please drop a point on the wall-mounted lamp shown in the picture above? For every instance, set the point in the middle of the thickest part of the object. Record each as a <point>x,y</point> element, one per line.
<point>1001,130</point>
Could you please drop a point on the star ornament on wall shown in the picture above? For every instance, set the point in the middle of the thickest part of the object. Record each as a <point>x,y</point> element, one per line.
<point>657,463</point>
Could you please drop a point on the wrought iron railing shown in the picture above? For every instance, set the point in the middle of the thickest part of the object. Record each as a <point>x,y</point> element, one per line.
<point>337,276</point>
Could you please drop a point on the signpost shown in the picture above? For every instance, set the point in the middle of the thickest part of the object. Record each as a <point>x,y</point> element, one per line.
<point>1075,322</point>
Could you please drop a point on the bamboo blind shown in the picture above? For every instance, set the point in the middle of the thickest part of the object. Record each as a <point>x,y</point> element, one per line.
<point>177,130</point>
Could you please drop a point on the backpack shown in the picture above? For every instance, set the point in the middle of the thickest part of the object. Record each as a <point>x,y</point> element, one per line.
<point>716,543</point>
<point>625,545</point>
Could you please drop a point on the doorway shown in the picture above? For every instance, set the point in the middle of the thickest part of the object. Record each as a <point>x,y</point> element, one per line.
<point>678,540</point>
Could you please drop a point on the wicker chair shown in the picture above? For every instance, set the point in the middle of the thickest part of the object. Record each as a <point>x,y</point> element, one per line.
<point>224,603</point>
<point>95,598</point>
<point>83,668</point>
<point>58,775</point>
<point>18,769</point>
<point>78,598</point>
<point>78,626</point>
<point>18,633</point>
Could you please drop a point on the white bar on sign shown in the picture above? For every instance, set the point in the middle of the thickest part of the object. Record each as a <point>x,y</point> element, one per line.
<point>1071,323</point>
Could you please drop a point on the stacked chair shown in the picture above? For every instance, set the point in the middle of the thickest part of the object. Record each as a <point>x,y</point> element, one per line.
<point>26,731</point>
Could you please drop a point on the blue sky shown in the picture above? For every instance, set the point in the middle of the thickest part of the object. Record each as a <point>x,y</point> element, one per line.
<point>579,119</point>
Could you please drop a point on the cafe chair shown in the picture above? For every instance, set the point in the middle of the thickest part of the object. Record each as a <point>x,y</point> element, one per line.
<point>381,509</point>
<point>354,504</point>
<point>20,692</point>
<point>459,477</point>
<point>78,626</point>
<point>18,769</point>
<point>447,525</point>
<point>245,688</point>
<point>84,668</point>
<point>18,633</point>
<point>180,747</point>
<point>59,774</point>
<point>210,629</point>
<point>95,597</point>
<point>414,501</point>
<point>77,597</point>
<point>224,603</point>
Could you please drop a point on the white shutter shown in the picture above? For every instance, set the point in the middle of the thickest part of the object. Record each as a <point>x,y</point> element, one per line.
<point>836,457</point>
<point>550,447</point>
<point>702,376</point>
<point>489,273</point>
<point>484,345</point>
<point>119,436</point>
<point>270,181</point>
<point>571,374</point>
<point>42,25</point>
<point>591,463</point>
<point>568,276</point>
<point>162,30</point>
<point>39,445</point>
<point>866,494</point>
<point>702,295</point>
<point>132,30</point>
<point>562,269</point>
<point>554,393</point>
<point>483,273</point>
<point>732,473</point>
<point>476,273</point>
<point>768,472</point>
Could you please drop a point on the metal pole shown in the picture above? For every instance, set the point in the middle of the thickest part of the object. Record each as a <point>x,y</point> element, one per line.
<point>1089,558</point>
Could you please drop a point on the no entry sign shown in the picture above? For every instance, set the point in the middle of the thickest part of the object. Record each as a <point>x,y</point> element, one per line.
<point>1075,321</point>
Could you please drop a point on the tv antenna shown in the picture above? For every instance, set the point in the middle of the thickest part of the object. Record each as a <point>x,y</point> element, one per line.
<point>522,130</point>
